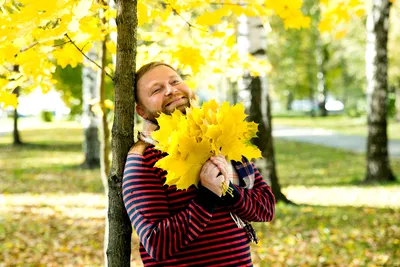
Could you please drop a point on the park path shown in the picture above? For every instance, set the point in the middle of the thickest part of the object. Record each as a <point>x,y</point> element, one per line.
<point>317,136</point>
<point>330,138</point>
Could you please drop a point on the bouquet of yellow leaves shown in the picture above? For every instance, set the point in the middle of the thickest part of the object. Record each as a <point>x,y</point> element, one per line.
<point>191,139</point>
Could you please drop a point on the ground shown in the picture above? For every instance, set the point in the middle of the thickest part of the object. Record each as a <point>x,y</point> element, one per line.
<point>52,213</point>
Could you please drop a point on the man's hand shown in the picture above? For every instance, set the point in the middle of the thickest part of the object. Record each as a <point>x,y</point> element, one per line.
<point>215,172</point>
<point>223,166</point>
<point>211,178</point>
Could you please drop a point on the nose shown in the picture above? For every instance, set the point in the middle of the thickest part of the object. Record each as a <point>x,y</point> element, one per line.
<point>170,89</point>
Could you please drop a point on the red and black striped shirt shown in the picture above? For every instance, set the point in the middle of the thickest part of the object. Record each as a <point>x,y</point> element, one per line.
<point>190,227</point>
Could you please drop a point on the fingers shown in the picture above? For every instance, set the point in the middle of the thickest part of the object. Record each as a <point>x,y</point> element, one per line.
<point>209,169</point>
<point>220,162</point>
<point>220,157</point>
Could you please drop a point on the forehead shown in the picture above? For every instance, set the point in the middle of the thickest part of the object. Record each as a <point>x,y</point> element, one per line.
<point>155,75</point>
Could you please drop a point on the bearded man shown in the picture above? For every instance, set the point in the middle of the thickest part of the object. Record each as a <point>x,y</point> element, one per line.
<point>198,226</point>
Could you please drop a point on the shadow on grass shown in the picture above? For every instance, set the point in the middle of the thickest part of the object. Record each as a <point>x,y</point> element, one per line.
<point>338,207</point>
<point>68,147</point>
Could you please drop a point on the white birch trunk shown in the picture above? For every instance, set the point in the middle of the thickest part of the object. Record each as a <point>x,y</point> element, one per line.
<point>90,122</point>
<point>260,110</point>
<point>378,167</point>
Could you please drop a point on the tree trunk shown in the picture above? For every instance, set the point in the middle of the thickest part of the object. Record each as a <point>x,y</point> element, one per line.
<point>104,132</point>
<point>104,129</point>
<point>398,101</point>
<point>90,122</point>
<point>322,58</point>
<point>265,140</point>
<point>119,226</point>
<point>313,36</point>
<point>310,75</point>
<point>378,167</point>
<point>346,80</point>
<point>16,137</point>
<point>289,101</point>
<point>233,96</point>
<point>260,110</point>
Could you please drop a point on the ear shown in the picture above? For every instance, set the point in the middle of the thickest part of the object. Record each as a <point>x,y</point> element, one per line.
<point>140,111</point>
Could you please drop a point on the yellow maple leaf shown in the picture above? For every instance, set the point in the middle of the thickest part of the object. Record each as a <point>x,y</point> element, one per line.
<point>192,139</point>
<point>214,17</point>
<point>184,170</point>
<point>8,99</point>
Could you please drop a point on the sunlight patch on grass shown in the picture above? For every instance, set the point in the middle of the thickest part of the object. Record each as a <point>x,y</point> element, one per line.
<point>51,199</point>
<point>82,205</point>
<point>341,124</point>
<point>356,196</point>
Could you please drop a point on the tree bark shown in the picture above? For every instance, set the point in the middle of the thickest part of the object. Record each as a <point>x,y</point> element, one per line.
<point>378,167</point>
<point>90,122</point>
<point>104,129</point>
<point>322,58</point>
<point>346,80</point>
<point>265,140</point>
<point>119,226</point>
<point>233,92</point>
<point>16,136</point>
<point>104,132</point>
<point>398,101</point>
<point>260,110</point>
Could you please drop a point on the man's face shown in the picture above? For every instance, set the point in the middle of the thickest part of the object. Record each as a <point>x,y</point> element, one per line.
<point>161,90</point>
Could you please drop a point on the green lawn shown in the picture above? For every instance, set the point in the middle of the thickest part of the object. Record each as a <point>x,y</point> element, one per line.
<point>342,124</point>
<point>52,212</point>
<point>308,164</point>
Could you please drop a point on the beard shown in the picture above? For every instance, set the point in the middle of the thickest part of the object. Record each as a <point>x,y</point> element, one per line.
<point>180,105</point>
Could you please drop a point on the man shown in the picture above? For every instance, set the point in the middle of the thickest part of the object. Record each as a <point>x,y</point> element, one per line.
<point>198,226</point>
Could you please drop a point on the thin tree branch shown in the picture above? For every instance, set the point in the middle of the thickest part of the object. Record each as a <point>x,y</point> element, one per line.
<point>34,44</point>
<point>83,47</point>
<point>62,44</point>
<point>190,24</point>
<point>26,48</point>
<point>29,47</point>
<point>80,50</point>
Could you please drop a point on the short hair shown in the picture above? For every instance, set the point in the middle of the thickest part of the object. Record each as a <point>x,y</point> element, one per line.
<point>144,69</point>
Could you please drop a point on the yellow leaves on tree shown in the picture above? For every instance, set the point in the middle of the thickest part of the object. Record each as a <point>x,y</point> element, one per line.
<point>32,37</point>
<point>7,99</point>
<point>336,13</point>
<point>290,12</point>
<point>40,27</point>
<point>213,17</point>
<point>191,139</point>
<point>69,55</point>
<point>190,57</point>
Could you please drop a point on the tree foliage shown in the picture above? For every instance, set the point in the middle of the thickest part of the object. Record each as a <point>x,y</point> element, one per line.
<point>193,34</point>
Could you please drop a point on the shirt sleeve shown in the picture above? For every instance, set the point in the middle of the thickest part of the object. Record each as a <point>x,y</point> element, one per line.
<point>256,204</point>
<point>162,234</point>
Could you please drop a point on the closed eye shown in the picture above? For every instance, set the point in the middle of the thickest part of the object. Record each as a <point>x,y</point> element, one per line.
<point>156,90</point>
<point>175,82</point>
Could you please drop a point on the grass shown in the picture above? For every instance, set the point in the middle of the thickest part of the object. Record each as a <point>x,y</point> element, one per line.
<point>307,165</point>
<point>329,236</point>
<point>341,124</point>
<point>47,163</point>
<point>52,211</point>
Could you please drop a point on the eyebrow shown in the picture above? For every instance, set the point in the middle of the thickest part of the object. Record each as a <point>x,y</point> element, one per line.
<point>156,82</point>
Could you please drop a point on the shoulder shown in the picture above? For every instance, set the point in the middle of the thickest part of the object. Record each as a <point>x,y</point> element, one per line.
<point>139,148</point>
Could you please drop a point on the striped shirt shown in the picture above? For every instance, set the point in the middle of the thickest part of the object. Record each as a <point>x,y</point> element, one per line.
<point>190,227</point>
